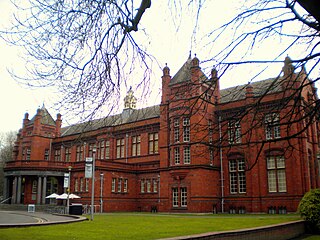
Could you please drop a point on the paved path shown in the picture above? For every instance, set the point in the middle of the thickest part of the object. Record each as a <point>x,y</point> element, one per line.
<point>24,218</point>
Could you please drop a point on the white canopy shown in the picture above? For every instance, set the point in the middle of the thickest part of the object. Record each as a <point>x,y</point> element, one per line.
<point>64,196</point>
<point>53,195</point>
<point>73,196</point>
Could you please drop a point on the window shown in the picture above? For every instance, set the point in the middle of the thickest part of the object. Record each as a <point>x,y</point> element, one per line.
<point>142,186</point>
<point>107,156</point>
<point>104,149</point>
<point>34,186</point>
<point>211,155</point>
<point>101,152</point>
<point>175,197</point>
<point>46,154</point>
<point>237,176</point>
<point>148,185</point>
<point>136,145</point>
<point>155,185</point>
<point>153,143</point>
<point>81,184</point>
<point>186,129</point>
<point>272,126</point>
<point>183,193</point>
<point>176,155</point>
<point>120,148</point>
<point>119,184</point>
<point>92,146</point>
<point>79,153</point>
<point>125,185</point>
<point>234,131</point>
<point>76,185</point>
<point>186,155</point>
<point>276,174</point>
<point>87,185</point>
<point>182,202</point>
<point>67,154</point>
<point>27,153</point>
<point>57,153</point>
<point>176,130</point>
<point>113,185</point>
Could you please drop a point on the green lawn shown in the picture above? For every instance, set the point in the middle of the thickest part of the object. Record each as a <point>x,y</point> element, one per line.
<point>142,226</point>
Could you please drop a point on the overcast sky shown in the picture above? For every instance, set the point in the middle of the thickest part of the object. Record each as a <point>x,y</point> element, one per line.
<point>164,42</point>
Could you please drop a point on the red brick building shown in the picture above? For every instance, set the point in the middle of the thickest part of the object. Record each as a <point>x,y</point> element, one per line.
<point>250,148</point>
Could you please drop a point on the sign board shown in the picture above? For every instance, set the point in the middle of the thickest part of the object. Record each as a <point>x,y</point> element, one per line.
<point>88,170</point>
<point>66,180</point>
<point>88,167</point>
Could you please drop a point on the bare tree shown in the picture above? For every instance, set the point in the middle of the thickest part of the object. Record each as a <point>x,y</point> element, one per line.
<point>85,48</point>
<point>291,24</point>
<point>6,149</point>
<point>81,47</point>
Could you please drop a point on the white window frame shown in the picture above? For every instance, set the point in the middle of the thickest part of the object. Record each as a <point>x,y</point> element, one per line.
<point>176,130</point>
<point>184,196</point>
<point>155,186</point>
<point>176,155</point>
<point>125,185</point>
<point>186,155</point>
<point>113,185</point>
<point>272,126</point>
<point>237,176</point>
<point>234,131</point>
<point>276,174</point>
<point>119,185</point>
<point>142,183</point>
<point>175,197</point>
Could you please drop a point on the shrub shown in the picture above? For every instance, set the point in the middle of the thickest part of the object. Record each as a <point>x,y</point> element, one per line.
<point>309,208</point>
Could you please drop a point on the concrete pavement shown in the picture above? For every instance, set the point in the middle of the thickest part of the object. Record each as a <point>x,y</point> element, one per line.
<point>24,219</point>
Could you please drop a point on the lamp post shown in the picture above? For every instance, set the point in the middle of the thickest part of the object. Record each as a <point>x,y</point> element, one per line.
<point>92,185</point>
<point>101,192</point>
<point>68,189</point>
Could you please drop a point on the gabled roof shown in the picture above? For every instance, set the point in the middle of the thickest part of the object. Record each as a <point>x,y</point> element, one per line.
<point>110,121</point>
<point>268,86</point>
<point>46,118</point>
<point>184,74</point>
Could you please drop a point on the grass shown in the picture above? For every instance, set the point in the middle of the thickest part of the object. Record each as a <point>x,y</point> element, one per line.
<point>142,226</point>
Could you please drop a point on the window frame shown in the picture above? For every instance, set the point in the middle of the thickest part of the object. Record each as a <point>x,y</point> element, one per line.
<point>153,143</point>
<point>237,176</point>
<point>272,126</point>
<point>136,145</point>
<point>234,131</point>
<point>186,129</point>
<point>186,155</point>
<point>120,146</point>
<point>176,156</point>
<point>276,174</point>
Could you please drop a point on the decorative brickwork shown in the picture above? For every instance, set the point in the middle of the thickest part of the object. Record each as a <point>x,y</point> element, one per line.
<point>201,150</point>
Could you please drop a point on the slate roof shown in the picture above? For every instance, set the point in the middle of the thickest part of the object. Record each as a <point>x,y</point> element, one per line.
<point>46,118</point>
<point>115,120</point>
<point>184,74</point>
<point>271,85</point>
